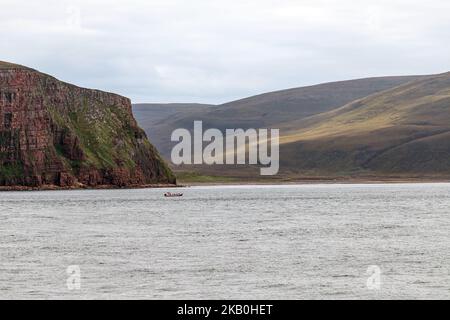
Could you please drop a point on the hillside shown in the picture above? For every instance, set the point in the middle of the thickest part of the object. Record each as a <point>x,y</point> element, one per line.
<point>9,66</point>
<point>152,114</point>
<point>382,127</point>
<point>270,110</point>
<point>57,134</point>
<point>404,130</point>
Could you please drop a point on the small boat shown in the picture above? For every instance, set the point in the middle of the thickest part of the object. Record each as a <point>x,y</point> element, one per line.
<point>171,195</point>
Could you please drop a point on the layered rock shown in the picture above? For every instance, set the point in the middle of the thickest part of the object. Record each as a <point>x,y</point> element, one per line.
<point>54,133</point>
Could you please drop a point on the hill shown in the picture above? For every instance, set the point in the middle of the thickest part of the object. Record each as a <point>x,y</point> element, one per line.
<point>403,131</point>
<point>271,110</point>
<point>56,134</point>
<point>152,114</point>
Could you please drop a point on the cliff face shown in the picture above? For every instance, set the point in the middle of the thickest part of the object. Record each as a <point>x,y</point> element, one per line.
<point>54,133</point>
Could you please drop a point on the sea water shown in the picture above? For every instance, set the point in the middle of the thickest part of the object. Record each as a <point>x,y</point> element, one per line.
<point>337,241</point>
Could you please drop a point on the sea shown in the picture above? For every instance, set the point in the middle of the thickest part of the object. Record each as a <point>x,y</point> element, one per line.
<point>312,241</point>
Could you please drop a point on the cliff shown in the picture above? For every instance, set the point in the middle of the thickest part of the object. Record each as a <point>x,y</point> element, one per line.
<point>57,134</point>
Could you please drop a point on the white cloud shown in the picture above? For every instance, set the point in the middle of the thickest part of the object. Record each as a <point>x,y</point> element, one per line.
<point>214,51</point>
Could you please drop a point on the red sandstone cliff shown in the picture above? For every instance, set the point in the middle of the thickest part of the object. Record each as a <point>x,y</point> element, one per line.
<point>54,133</point>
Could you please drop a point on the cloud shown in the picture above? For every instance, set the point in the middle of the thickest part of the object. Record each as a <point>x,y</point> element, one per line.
<point>214,51</point>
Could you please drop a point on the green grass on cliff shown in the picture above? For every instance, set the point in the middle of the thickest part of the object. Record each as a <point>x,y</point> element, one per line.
<point>95,140</point>
<point>11,171</point>
<point>106,137</point>
<point>9,65</point>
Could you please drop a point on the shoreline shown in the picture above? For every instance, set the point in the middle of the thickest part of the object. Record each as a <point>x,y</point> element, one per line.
<point>187,184</point>
<point>83,187</point>
<point>317,181</point>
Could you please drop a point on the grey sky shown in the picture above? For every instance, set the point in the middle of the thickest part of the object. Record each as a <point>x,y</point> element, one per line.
<point>215,51</point>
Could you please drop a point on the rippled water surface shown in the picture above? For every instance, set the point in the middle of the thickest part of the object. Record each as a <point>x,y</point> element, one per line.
<point>253,242</point>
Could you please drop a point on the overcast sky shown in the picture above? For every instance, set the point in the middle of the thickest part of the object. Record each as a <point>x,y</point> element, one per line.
<point>215,51</point>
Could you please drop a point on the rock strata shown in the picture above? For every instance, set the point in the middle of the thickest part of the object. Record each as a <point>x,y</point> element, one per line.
<point>56,134</point>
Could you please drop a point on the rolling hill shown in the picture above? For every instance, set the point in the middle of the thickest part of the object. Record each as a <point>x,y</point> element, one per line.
<point>380,128</point>
<point>152,114</point>
<point>269,110</point>
<point>402,131</point>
